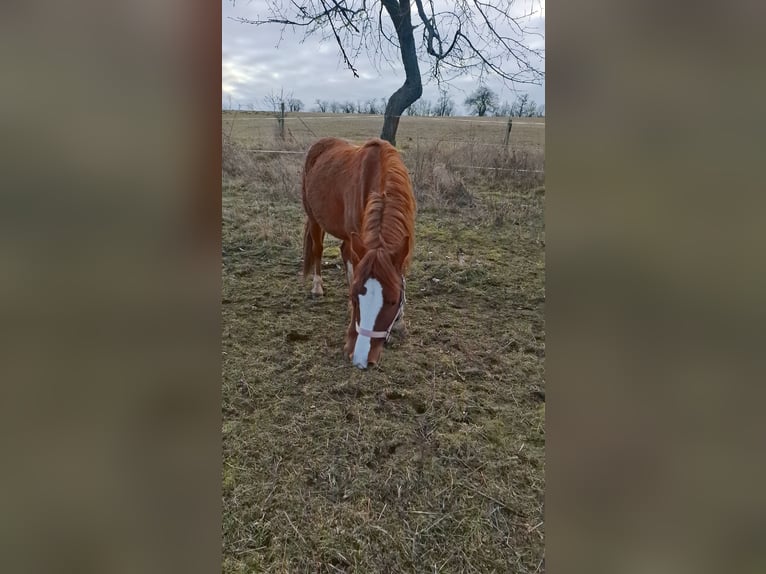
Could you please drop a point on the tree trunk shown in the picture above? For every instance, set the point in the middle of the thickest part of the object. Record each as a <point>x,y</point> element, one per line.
<point>412,89</point>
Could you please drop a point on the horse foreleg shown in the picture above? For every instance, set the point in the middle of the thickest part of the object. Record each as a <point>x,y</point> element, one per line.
<point>316,286</point>
<point>399,327</point>
<point>350,272</point>
<point>347,262</point>
<point>317,236</point>
<point>348,348</point>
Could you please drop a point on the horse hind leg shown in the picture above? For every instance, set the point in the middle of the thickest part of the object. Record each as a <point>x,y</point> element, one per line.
<point>317,236</point>
<point>313,237</point>
<point>399,327</point>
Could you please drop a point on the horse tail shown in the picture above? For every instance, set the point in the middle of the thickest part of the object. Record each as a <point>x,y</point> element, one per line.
<point>308,248</point>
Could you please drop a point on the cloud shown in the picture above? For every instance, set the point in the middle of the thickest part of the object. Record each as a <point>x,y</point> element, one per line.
<point>258,60</point>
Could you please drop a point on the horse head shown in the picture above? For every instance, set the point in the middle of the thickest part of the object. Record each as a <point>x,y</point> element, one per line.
<point>377,299</point>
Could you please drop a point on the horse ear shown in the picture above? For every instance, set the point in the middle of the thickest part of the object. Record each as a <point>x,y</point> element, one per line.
<point>357,247</point>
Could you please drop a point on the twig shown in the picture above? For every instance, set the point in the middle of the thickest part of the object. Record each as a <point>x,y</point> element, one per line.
<point>337,39</point>
<point>492,498</point>
<point>227,463</point>
<point>383,530</point>
<point>468,562</point>
<point>266,500</point>
<point>342,557</point>
<point>462,378</point>
<point>535,527</point>
<point>294,528</point>
<point>434,523</point>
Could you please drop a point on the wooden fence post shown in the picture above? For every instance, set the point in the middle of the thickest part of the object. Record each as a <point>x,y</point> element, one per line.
<point>508,132</point>
<point>281,120</point>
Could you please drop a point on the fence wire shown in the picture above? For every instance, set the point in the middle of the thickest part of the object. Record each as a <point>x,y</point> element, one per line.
<point>262,134</point>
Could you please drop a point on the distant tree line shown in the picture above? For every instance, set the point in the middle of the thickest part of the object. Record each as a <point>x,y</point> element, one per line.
<point>482,102</point>
<point>372,106</point>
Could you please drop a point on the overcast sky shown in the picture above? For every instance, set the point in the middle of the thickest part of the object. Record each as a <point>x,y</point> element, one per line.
<point>255,62</point>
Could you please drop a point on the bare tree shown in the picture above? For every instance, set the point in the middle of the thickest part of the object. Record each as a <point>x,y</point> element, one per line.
<point>275,100</point>
<point>483,100</point>
<point>521,104</point>
<point>335,107</point>
<point>348,107</point>
<point>420,108</point>
<point>294,105</point>
<point>322,105</point>
<point>371,107</point>
<point>470,36</point>
<point>444,106</point>
<point>504,109</point>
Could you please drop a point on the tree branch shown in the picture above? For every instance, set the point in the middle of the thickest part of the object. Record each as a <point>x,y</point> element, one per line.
<point>429,31</point>
<point>340,44</point>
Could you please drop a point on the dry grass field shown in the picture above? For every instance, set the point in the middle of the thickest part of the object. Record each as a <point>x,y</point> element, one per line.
<point>257,129</point>
<point>433,460</point>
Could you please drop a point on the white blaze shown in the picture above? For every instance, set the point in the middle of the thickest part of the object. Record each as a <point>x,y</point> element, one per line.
<point>370,305</point>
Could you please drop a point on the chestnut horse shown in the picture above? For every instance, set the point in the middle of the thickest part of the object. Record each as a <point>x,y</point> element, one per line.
<point>363,196</point>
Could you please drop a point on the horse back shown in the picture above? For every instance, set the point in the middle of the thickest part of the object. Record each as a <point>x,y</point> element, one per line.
<point>338,178</point>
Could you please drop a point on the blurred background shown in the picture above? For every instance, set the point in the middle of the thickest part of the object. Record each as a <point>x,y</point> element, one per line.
<point>654,283</point>
<point>110,283</point>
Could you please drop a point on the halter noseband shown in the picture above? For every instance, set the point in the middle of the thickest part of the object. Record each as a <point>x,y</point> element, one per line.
<point>387,333</point>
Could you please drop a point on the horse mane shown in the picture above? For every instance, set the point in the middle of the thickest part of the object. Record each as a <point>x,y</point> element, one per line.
<point>388,220</point>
